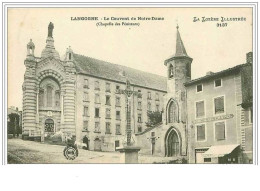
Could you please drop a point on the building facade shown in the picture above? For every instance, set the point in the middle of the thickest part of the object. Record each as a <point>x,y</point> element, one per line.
<point>81,96</point>
<point>219,110</point>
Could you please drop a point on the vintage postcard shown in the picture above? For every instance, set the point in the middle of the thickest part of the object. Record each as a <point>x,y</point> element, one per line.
<point>134,85</point>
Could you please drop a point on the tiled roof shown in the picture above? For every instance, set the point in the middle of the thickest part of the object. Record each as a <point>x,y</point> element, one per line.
<point>215,75</point>
<point>106,70</point>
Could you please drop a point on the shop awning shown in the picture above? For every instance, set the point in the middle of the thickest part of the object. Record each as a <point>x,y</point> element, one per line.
<point>219,151</point>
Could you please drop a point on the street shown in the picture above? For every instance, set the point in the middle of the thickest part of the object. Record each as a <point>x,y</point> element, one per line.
<point>29,152</point>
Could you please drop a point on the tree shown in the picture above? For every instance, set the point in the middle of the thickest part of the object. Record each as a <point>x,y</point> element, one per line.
<point>13,124</point>
<point>154,117</point>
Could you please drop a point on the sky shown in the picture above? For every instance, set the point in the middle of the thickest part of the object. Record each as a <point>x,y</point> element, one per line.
<point>144,47</point>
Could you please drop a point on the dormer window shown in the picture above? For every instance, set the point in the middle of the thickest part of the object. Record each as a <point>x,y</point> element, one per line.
<point>199,88</point>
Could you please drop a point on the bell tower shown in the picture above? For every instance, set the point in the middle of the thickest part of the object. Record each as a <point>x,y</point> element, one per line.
<point>178,73</point>
<point>178,67</point>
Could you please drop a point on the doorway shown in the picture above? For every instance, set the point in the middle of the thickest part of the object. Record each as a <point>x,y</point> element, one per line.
<point>49,125</point>
<point>97,144</point>
<point>85,140</point>
<point>172,143</point>
<point>116,144</point>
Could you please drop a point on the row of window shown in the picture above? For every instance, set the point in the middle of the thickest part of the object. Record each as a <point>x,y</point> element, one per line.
<point>108,128</point>
<point>118,102</point>
<point>108,89</point>
<point>219,131</point>
<point>108,114</point>
<point>217,83</point>
<point>97,127</point>
<point>219,107</point>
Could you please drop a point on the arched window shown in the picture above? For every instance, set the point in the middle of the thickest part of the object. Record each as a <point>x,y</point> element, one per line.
<point>49,96</point>
<point>173,114</point>
<point>69,56</point>
<point>57,98</point>
<point>41,98</point>
<point>170,71</point>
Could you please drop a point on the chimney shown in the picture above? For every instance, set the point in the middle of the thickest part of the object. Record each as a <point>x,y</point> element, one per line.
<point>249,57</point>
<point>209,73</point>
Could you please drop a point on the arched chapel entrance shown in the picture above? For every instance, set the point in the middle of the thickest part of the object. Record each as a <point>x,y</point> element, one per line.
<point>172,143</point>
<point>49,125</point>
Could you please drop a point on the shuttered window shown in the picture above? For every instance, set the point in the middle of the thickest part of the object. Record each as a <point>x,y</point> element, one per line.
<point>85,83</point>
<point>117,101</point>
<point>107,128</point>
<point>200,109</point>
<point>219,105</point>
<point>107,87</point>
<point>220,131</point>
<point>96,112</point>
<point>139,118</point>
<point>108,100</point>
<point>85,112</point>
<point>86,97</point>
<point>201,132</point>
<point>85,125</point>
<point>97,127</point>
<point>118,115</point>
<point>96,85</point>
<point>97,98</point>
<point>118,129</point>
<point>139,105</point>
<point>108,113</point>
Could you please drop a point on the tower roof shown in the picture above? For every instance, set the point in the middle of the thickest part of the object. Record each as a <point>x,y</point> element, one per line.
<point>180,49</point>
